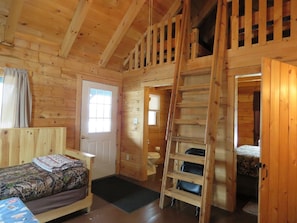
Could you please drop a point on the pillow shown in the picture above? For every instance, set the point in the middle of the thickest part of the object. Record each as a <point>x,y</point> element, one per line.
<point>56,162</point>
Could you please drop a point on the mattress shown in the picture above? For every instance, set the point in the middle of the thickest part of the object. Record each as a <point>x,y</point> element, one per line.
<point>247,160</point>
<point>29,181</point>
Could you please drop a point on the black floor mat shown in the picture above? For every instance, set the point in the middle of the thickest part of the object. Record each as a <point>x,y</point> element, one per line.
<point>122,193</point>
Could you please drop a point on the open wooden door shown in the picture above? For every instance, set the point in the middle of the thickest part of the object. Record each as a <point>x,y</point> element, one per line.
<point>278,175</point>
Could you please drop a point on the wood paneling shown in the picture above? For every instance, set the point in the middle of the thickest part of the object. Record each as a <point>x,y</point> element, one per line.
<point>132,134</point>
<point>278,143</point>
<point>156,134</point>
<point>53,83</point>
<point>245,110</point>
<point>85,30</point>
<point>21,145</point>
<point>56,81</point>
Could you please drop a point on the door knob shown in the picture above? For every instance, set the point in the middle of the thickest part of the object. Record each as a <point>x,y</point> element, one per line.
<point>84,137</point>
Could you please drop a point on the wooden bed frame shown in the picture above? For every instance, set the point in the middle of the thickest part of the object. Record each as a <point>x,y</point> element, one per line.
<point>21,145</point>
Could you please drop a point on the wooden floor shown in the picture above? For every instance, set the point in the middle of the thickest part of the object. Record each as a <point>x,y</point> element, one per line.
<point>103,211</point>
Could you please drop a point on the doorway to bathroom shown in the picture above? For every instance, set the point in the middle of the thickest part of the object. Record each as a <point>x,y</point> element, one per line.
<point>156,106</point>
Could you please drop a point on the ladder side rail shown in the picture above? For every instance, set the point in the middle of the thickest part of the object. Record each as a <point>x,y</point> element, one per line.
<point>220,47</point>
<point>173,100</point>
<point>180,44</point>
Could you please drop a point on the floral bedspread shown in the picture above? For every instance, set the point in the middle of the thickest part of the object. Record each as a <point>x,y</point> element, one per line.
<point>29,181</point>
<point>247,160</point>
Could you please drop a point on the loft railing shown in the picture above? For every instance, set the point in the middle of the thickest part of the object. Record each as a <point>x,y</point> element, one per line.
<point>252,23</point>
<point>260,23</point>
<point>157,45</point>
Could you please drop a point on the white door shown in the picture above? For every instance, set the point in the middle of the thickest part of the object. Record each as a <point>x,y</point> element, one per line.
<point>98,126</point>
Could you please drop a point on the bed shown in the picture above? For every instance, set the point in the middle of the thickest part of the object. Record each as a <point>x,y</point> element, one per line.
<point>247,171</point>
<point>69,189</point>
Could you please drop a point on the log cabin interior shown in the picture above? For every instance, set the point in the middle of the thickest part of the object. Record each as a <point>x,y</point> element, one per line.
<point>142,47</point>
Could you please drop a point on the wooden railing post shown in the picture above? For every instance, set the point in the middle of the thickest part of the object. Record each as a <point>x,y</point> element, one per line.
<point>158,43</point>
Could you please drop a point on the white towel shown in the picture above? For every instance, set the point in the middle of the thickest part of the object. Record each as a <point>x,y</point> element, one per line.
<point>56,162</point>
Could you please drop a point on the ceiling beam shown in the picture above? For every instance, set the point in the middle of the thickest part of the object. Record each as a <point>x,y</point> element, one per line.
<point>173,10</point>
<point>203,12</point>
<point>15,10</point>
<point>121,30</point>
<point>74,27</point>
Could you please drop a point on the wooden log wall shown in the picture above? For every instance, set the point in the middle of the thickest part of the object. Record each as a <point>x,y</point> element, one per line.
<point>54,79</point>
<point>156,134</point>
<point>55,84</point>
<point>133,159</point>
<point>246,89</point>
<point>222,190</point>
<point>131,163</point>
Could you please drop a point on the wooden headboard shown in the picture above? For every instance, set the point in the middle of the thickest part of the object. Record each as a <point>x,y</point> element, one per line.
<point>21,145</point>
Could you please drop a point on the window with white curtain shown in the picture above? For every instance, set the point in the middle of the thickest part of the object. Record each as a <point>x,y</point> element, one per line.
<point>16,103</point>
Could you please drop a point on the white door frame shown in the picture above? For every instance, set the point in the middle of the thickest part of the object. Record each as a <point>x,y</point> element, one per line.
<point>103,144</point>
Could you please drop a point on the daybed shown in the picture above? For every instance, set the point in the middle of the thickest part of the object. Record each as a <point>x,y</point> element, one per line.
<point>247,170</point>
<point>18,148</point>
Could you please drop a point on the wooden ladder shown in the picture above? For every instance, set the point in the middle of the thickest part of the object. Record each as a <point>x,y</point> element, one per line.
<point>192,122</point>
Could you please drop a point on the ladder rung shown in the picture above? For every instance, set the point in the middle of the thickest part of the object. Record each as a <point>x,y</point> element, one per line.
<point>184,196</point>
<point>185,139</point>
<point>199,87</point>
<point>185,176</point>
<point>189,121</point>
<point>188,158</point>
<point>192,105</point>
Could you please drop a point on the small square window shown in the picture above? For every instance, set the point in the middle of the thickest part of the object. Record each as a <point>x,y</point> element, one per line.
<point>152,118</point>
<point>154,108</point>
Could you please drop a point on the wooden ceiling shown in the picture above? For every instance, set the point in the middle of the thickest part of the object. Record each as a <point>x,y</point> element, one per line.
<point>93,31</point>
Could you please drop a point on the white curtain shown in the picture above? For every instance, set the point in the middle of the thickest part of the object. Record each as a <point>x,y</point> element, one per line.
<point>16,99</point>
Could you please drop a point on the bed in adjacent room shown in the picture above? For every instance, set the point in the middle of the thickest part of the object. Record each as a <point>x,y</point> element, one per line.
<point>248,157</point>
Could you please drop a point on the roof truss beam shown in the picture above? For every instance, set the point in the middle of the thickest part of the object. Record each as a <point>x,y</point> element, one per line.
<point>74,27</point>
<point>173,10</point>
<point>205,10</point>
<point>15,10</point>
<point>121,30</point>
